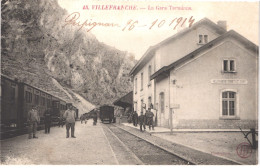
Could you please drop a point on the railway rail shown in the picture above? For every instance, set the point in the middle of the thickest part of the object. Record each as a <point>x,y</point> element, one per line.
<point>146,151</point>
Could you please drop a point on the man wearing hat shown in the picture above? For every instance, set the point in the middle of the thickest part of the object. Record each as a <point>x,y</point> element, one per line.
<point>149,116</point>
<point>47,120</point>
<point>33,119</point>
<point>135,118</point>
<point>70,116</point>
<point>142,121</point>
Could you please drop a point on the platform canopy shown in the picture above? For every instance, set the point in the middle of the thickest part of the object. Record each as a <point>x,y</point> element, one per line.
<point>125,101</point>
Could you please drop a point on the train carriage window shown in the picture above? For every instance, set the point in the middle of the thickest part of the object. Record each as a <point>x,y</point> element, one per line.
<point>56,105</point>
<point>43,101</point>
<point>28,97</point>
<point>36,99</point>
<point>48,102</point>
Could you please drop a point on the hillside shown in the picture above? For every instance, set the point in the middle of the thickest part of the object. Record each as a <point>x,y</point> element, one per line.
<point>71,64</point>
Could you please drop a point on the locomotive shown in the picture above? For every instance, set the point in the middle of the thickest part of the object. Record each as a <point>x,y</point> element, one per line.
<point>17,98</point>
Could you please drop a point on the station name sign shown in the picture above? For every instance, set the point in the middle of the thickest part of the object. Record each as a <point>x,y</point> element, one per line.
<point>229,81</point>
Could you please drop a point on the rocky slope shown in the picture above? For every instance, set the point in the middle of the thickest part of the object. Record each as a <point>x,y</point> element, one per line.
<point>69,63</point>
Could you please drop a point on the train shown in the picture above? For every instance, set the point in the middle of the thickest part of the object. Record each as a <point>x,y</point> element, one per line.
<point>17,98</point>
<point>106,113</point>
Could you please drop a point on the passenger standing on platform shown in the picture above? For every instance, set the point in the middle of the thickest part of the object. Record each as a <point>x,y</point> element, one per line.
<point>95,118</point>
<point>135,118</point>
<point>47,120</point>
<point>70,116</point>
<point>33,119</point>
<point>142,121</point>
<point>81,118</point>
<point>154,116</point>
<point>149,116</point>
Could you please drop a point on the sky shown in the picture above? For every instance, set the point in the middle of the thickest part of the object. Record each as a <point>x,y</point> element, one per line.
<point>243,17</point>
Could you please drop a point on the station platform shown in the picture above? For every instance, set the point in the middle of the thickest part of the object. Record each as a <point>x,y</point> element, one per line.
<point>91,147</point>
<point>167,130</point>
<point>218,143</point>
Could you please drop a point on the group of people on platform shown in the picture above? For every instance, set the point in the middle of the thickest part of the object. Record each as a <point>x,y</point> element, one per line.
<point>84,118</point>
<point>70,118</point>
<point>143,119</point>
<point>34,119</point>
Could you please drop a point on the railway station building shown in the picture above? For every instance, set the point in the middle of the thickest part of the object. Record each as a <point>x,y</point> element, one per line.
<point>203,77</point>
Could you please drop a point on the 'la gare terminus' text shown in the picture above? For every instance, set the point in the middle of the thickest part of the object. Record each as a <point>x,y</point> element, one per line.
<point>134,7</point>
<point>74,20</point>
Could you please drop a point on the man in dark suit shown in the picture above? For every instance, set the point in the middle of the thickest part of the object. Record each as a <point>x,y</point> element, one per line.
<point>47,120</point>
<point>142,121</point>
<point>135,118</point>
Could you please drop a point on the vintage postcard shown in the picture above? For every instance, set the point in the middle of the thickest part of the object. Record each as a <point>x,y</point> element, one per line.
<point>117,82</point>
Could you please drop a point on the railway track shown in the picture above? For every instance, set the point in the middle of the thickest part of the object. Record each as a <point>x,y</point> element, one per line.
<point>148,153</point>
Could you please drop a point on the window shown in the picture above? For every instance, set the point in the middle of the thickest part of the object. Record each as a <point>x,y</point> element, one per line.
<point>36,99</point>
<point>228,103</point>
<point>43,101</point>
<point>149,74</point>
<point>57,104</point>
<point>203,39</point>
<point>142,80</point>
<point>28,97</point>
<point>162,102</point>
<point>48,102</point>
<point>200,39</point>
<point>229,65</point>
<point>136,85</point>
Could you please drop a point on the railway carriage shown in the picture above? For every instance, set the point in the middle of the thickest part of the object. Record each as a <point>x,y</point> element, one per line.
<point>9,103</point>
<point>107,113</point>
<point>17,98</point>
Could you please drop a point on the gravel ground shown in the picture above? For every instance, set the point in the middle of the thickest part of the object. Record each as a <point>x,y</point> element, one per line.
<point>90,147</point>
<point>222,144</point>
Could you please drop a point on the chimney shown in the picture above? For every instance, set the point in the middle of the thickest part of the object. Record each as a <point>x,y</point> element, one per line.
<point>223,24</point>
